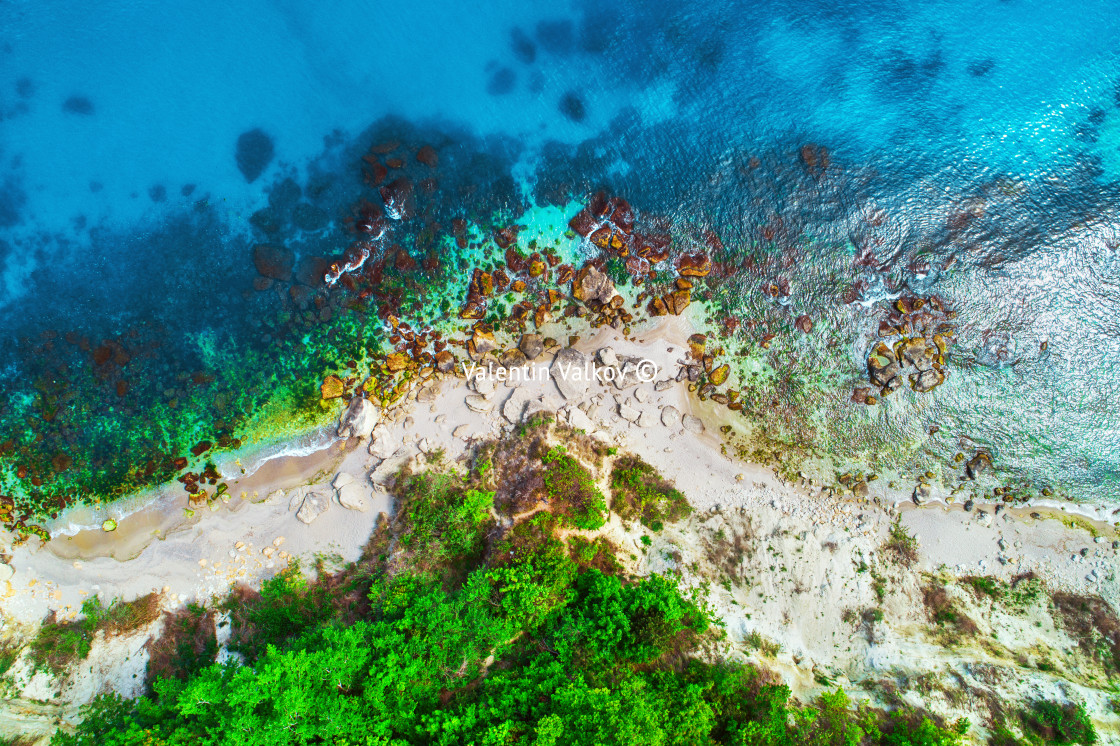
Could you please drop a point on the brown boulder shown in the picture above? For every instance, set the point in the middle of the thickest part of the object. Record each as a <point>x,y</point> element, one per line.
<point>694,265</point>
<point>274,262</point>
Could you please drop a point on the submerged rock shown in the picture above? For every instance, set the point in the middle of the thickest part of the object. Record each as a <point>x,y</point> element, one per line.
<point>254,152</point>
<point>274,262</point>
<point>78,105</point>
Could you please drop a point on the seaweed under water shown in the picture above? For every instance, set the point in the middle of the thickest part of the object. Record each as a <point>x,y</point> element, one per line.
<point>809,179</point>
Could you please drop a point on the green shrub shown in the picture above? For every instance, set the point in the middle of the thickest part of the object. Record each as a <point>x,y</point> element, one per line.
<point>902,543</point>
<point>572,494</point>
<point>639,493</point>
<point>61,644</point>
<point>599,553</point>
<point>1061,725</point>
<point>984,585</point>
<point>441,517</point>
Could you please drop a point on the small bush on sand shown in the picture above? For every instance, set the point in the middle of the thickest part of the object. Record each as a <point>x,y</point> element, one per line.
<point>572,494</point>
<point>902,543</point>
<point>639,492</point>
<point>187,644</point>
<point>1062,725</point>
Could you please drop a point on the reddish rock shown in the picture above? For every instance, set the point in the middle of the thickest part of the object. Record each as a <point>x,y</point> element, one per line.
<point>428,156</point>
<point>621,214</point>
<point>399,198</point>
<point>515,261</point>
<point>804,323</point>
<point>505,237</point>
<point>472,311</point>
<point>694,265</point>
<point>274,262</point>
<point>445,361</point>
<point>458,227</point>
<point>375,171</point>
<point>583,223</point>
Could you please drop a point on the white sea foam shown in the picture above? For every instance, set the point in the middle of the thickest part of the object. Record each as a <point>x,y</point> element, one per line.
<point>89,518</point>
<point>232,465</point>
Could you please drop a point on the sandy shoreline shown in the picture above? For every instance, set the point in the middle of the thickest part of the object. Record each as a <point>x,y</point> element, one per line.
<point>159,547</point>
<point>819,536</point>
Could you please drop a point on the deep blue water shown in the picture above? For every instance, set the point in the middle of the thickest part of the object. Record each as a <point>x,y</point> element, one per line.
<point>973,149</point>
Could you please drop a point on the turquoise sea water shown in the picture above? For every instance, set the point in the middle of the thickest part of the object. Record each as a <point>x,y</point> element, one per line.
<point>971,150</point>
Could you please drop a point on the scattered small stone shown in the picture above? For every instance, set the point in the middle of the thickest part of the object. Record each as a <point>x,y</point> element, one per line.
<point>663,385</point>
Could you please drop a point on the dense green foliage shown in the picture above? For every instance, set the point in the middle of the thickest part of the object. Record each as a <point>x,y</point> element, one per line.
<point>1060,724</point>
<point>519,640</point>
<point>442,519</point>
<point>572,493</point>
<point>639,492</point>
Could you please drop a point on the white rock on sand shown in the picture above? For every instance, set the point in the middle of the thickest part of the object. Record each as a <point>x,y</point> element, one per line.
<point>314,505</point>
<point>388,468</point>
<point>608,357</point>
<point>359,419</point>
<point>6,572</point>
<point>570,373</point>
<point>648,418</point>
<point>670,416</point>
<point>351,494</point>
<point>693,424</point>
<point>478,403</point>
<point>514,407</point>
<point>381,445</point>
<point>578,420</point>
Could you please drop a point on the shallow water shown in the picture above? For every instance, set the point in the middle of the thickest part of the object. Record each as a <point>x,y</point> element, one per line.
<point>857,151</point>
